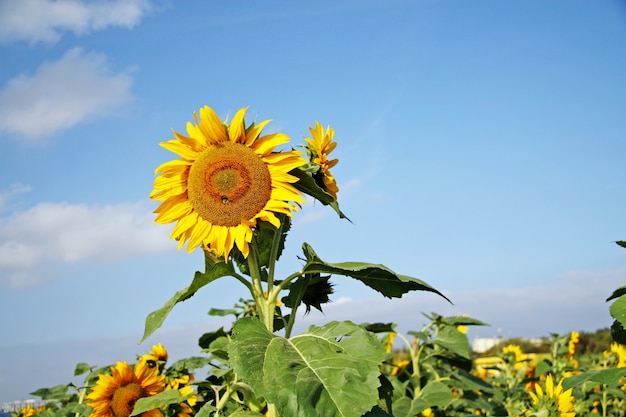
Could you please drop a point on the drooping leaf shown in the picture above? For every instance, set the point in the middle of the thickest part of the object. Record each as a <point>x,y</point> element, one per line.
<point>605,376</point>
<point>214,270</point>
<point>307,184</point>
<point>375,276</point>
<point>170,396</point>
<point>327,371</point>
<point>617,293</point>
<point>450,338</point>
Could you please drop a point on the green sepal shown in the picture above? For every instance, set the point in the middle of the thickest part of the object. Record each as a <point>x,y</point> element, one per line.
<point>375,276</point>
<point>311,289</point>
<point>308,185</point>
<point>327,371</point>
<point>215,268</point>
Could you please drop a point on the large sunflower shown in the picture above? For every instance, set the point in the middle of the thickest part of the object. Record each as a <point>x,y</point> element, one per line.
<point>554,400</point>
<point>318,149</point>
<point>227,178</point>
<point>115,395</point>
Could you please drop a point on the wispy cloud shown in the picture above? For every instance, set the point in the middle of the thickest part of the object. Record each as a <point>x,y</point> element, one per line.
<point>62,233</point>
<point>61,94</point>
<point>15,189</point>
<point>45,21</point>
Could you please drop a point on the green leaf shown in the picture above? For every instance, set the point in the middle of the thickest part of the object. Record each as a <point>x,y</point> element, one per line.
<point>605,376</point>
<point>436,394</point>
<point>245,413</point>
<point>206,410</point>
<point>617,293</point>
<point>618,310</point>
<point>81,368</point>
<point>327,371</point>
<point>170,396</point>
<point>375,276</point>
<point>208,338</point>
<point>307,184</point>
<point>58,392</point>
<point>379,327</point>
<point>453,340</point>
<point>618,332</point>
<point>622,243</point>
<point>214,270</point>
<point>405,407</point>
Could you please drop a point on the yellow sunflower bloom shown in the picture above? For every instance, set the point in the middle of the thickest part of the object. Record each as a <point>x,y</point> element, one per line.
<point>29,411</point>
<point>158,354</point>
<point>115,395</point>
<point>228,178</point>
<point>554,399</point>
<point>318,149</point>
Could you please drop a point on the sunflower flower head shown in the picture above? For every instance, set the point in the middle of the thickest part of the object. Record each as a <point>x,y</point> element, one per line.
<point>29,410</point>
<point>553,402</point>
<point>115,395</point>
<point>318,147</point>
<point>388,340</point>
<point>617,355</point>
<point>228,178</point>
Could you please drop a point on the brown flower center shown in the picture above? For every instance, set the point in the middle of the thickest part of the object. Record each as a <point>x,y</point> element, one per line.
<point>124,399</point>
<point>228,183</point>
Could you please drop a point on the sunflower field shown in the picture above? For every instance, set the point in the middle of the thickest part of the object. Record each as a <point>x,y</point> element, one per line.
<point>231,193</point>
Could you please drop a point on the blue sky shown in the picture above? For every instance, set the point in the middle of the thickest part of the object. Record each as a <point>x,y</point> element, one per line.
<point>481,147</point>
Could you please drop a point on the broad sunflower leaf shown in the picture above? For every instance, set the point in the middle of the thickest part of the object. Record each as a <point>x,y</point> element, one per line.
<point>375,276</point>
<point>170,396</point>
<point>618,310</point>
<point>605,376</point>
<point>214,270</point>
<point>327,371</point>
<point>307,184</point>
<point>450,338</point>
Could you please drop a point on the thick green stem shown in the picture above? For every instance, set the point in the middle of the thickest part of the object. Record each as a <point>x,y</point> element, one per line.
<point>264,308</point>
<point>274,254</point>
<point>294,310</point>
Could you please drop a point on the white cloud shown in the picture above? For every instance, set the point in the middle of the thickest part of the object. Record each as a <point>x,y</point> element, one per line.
<point>53,233</point>
<point>45,20</point>
<point>61,94</point>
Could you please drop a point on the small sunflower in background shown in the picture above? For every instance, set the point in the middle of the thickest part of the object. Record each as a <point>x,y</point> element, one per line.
<point>115,395</point>
<point>228,178</point>
<point>318,148</point>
